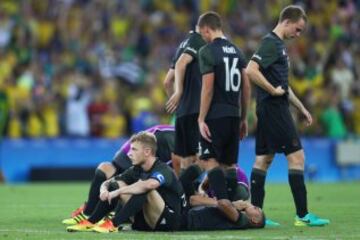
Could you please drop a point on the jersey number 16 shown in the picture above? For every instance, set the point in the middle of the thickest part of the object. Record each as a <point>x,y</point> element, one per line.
<point>231,74</point>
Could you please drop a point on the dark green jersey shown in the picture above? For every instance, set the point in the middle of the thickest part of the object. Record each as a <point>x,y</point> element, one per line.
<point>226,61</point>
<point>190,100</point>
<point>170,188</point>
<point>274,65</point>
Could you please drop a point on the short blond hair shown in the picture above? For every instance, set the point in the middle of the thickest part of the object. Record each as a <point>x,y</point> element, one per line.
<point>145,138</point>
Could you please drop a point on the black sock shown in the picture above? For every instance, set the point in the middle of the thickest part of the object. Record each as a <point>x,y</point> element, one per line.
<point>131,208</point>
<point>217,183</point>
<point>94,192</point>
<point>103,207</point>
<point>298,189</point>
<point>187,179</point>
<point>257,189</point>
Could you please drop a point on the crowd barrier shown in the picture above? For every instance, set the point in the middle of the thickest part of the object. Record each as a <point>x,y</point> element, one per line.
<point>19,158</point>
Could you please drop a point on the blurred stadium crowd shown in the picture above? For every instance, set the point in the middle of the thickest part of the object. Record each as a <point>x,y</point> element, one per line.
<point>95,68</point>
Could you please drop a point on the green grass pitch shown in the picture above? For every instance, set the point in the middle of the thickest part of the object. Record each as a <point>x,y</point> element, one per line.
<point>35,211</point>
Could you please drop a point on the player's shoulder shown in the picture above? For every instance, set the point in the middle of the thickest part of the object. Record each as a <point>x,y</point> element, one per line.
<point>271,39</point>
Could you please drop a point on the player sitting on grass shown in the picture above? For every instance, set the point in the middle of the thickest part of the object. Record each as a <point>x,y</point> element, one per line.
<point>165,142</point>
<point>149,192</point>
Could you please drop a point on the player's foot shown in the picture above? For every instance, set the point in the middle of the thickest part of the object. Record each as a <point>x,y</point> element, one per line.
<point>75,220</point>
<point>83,226</point>
<point>78,210</point>
<point>271,223</point>
<point>310,220</point>
<point>106,227</point>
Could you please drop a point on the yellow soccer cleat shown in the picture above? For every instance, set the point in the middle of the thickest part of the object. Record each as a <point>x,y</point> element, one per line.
<point>106,227</point>
<point>75,220</point>
<point>83,226</point>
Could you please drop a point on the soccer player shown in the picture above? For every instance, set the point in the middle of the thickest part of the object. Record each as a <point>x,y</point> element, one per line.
<point>221,124</point>
<point>225,215</point>
<point>194,178</point>
<point>165,141</point>
<point>185,98</point>
<point>276,133</point>
<point>149,192</point>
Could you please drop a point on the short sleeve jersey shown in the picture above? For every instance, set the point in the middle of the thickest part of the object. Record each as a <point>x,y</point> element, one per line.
<point>273,60</point>
<point>226,61</point>
<point>190,100</point>
<point>170,188</point>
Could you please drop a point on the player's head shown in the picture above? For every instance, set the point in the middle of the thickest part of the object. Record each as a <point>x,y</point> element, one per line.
<point>209,23</point>
<point>142,147</point>
<point>256,216</point>
<point>293,20</point>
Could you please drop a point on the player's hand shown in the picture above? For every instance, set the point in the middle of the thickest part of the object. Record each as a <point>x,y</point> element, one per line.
<point>173,102</point>
<point>279,91</point>
<point>308,117</point>
<point>204,131</point>
<point>104,195</point>
<point>112,195</point>
<point>243,129</point>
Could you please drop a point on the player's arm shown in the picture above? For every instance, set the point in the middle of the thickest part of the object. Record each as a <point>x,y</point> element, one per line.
<point>180,68</point>
<point>245,94</point>
<point>104,189</point>
<point>207,64</point>
<point>255,75</point>
<point>200,200</point>
<point>245,101</point>
<point>294,100</point>
<point>169,82</point>
<point>139,187</point>
<point>241,205</point>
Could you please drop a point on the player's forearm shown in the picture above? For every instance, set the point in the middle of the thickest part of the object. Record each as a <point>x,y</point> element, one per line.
<point>197,200</point>
<point>245,95</point>
<point>207,92</point>
<point>138,187</point>
<point>258,78</point>
<point>295,101</point>
<point>180,68</point>
<point>169,82</point>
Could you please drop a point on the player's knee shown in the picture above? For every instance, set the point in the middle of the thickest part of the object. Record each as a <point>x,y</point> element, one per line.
<point>107,168</point>
<point>113,186</point>
<point>263,163</point>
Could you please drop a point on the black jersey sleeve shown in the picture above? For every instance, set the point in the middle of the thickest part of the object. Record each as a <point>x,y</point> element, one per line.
<point>206,60</point>
<point>266,54</point>
<point>163,175</point>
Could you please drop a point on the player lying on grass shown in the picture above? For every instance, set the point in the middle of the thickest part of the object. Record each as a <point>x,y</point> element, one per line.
<point>205,212</point>
<point>224,215</point>
<point>149,192</point>
<point>165,142</point>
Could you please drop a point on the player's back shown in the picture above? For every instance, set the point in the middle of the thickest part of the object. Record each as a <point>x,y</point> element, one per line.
<point>190,100</point>
<point>227,61</point>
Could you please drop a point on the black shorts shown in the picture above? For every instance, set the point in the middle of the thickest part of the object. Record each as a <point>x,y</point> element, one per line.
<point>168,221</point>
<point>186,135</point>
<point>225,140</point>
<point>276,132</point>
